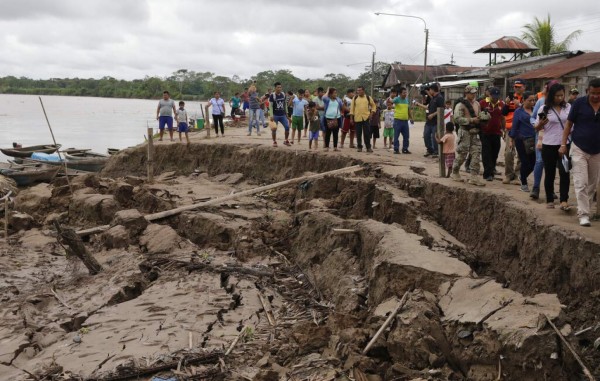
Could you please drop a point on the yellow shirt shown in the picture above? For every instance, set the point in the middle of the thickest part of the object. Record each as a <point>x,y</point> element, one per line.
<point>360,108</point>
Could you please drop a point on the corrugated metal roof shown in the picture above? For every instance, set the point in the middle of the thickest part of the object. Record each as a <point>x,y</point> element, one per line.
<point>564,67</point>
<point>507,44</point>
<point>400,73</point>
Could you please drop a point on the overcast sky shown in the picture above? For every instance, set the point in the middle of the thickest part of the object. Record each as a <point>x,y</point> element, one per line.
<point>136,38</point>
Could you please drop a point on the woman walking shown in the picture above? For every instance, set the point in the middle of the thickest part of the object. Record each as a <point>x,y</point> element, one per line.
<point>333,117</point>
<point>550,122</point>
<point>523,137</point>
<point>218,111</point>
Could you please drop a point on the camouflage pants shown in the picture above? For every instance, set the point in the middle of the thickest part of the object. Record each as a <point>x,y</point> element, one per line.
<point>468,143</point>
<point>510,170</point>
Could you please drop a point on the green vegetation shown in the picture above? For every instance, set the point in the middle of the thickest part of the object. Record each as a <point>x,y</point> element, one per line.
<point>542,34</point>
<point>182,84</point>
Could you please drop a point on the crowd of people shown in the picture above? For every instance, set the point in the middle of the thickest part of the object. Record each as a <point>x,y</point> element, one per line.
<point>543,132</point>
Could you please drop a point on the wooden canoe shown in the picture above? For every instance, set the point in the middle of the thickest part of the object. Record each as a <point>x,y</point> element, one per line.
<point>25,176</point>
<point>28,151</point>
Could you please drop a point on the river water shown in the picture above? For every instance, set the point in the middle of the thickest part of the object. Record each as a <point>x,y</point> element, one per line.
<point>82,122</point>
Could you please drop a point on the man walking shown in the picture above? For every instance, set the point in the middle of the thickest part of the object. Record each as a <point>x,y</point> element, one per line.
<point>511,104</point>
<point>402,114</point>
<point>361,111</point>
<point>278,109</point>
<point>584,122</point>
<point>164,114</point>
<point>491,132</point>
<point>468,117</point>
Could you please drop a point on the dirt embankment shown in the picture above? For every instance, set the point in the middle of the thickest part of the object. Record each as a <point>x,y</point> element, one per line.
<point>299,278</point>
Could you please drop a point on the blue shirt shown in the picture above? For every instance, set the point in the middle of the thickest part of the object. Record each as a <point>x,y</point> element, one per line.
<point>586,126</point>
<point>299,105</point>
<point>333,107</point>
<point>522,127</point>
<point>536,109</point>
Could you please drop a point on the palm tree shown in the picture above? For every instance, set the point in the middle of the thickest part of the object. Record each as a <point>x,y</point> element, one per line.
<point>542,35</point>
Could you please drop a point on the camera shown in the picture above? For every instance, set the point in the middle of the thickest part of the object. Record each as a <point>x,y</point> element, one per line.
<point>542,115</point>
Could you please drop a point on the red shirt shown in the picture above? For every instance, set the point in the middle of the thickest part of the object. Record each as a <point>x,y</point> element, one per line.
<point>494,125</point>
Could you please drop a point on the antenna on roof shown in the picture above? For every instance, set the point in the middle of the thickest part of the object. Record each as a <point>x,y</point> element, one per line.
<point>452,62</point>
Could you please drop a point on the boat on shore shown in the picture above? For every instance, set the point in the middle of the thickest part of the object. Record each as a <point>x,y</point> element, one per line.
<point>27,175</point>
<point>24,152</point>
<point>81,160</point>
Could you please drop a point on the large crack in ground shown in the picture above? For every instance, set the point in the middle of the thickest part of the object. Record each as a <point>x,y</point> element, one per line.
<point>328,260</point>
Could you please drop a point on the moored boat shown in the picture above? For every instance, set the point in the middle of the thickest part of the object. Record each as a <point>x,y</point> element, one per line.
<point>24,152</point>
<point>25,175</point>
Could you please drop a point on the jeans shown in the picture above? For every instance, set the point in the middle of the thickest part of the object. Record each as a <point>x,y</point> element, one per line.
<point>586,172</point>
<point>401,127</point>
<point>258,117</point>
<point>538,169</point>
<point>527,160</point>
<point>283,120</point>
<point>551,160</point>
<point>363,130</point>
<point>218,121</point>
<point>429,139</point>
<point>332,131</point>
<point>490,148</point>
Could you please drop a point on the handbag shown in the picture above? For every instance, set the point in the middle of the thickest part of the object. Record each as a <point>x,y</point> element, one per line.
<point>332,124</point>
<point>529,144</point>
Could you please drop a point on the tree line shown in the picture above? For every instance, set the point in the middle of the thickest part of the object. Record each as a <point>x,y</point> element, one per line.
<point>182,84</point>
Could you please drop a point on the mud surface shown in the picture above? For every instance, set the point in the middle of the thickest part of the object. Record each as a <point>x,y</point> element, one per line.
<point>291,283</point>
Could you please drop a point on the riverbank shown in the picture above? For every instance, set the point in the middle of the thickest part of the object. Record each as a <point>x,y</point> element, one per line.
<point>302,275</point>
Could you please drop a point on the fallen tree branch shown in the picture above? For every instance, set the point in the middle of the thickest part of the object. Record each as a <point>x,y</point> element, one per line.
<point>267,309</point>
<point>586,371</point>
<point>75,247</point>
<point>386,323</point>
<point>219,200</point>
<point>235,341</point>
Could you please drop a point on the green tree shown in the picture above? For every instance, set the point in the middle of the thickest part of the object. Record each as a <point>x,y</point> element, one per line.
<point>542,34</point>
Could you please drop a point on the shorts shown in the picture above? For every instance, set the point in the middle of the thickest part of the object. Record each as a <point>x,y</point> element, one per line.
<point>313,135</point>
<point>449,159</point>
<point>165,121</point>
<point>183,127</point>
<point>348,125</point>
<point>375,132</point>
<point>297,123</point>
<point>290,110</point>
<point>388,132</point>
<point>246,105</point>
<point>283,120</point>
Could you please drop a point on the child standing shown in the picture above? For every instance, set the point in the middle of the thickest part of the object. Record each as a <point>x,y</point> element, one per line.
<point>182,117</point>
<point>449,141</point>
<point>314,124</point>
<point>375,123</point>
<point>448,113</point>
<point>388,124</point>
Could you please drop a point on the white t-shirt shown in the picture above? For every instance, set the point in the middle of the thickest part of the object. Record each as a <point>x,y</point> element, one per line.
<point>218,106</point>
<point>448,115</point>
<point>182,116</point>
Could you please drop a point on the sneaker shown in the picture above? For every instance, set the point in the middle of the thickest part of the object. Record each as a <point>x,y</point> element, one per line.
<point>287,143</point>
<point>396,152</point>
<point>535,193</point>
<point>506,180</point>
<point>427,154</point>
<point>369,150</point>
<point>434,156</point>
<point>584,221</point>
<point>455,177</point>
<point>524,188</point>
<point>474,180</point>
<point>406,151</point>
<point>489,178</point>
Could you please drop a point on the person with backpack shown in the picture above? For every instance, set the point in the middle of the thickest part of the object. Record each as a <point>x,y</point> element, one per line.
<point>361,111</point>
<point>468,115</point>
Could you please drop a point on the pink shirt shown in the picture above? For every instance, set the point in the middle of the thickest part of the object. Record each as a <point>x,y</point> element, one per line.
<point>553,130</point>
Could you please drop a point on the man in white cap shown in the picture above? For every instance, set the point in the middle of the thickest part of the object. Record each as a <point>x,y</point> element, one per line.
<point>468,117</point>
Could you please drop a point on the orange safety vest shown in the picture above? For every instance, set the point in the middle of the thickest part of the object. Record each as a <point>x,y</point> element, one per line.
<point>512,108</point>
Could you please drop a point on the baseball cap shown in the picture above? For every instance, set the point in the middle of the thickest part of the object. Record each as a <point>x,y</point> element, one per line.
<point>574,91</point>
<point>470,89</point>
<point>519,83</point>
<point>494,91</point>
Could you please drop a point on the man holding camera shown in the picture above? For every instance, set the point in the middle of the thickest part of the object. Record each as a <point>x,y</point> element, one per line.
<point>469,117</point>
<point>437,100</point>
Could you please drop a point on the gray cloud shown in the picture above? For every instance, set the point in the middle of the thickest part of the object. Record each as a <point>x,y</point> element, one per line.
<point>137,38</point>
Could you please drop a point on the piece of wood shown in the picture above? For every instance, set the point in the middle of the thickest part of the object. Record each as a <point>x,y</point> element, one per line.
<point>440,132</point>
<point>267,309</point>
<point>345,231</point>
<point>207,122</point>
<point>386,323</point>
<point>59,299</point>
<point>58,151</point>
<point>586,371</point>
<point>150,155</point>
<point>219,200</point>
<point>235,341</point>
<point>190,339</point>
<point>75,247</point>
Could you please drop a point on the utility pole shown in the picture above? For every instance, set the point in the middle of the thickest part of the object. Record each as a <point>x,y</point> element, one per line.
<point>425,63</point>
<point>372,73</point>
